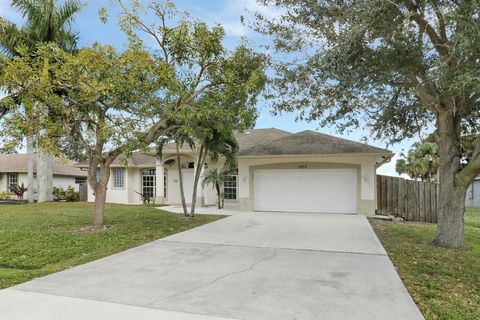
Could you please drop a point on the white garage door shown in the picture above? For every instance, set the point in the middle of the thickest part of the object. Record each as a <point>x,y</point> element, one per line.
<point>306,190</point>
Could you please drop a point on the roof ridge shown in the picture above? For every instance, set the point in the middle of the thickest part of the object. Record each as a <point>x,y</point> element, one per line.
<point>271,128</point>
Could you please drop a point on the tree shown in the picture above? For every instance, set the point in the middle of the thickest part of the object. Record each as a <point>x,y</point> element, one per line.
<point>227,83</point>
<point>104,100</point>
<point>217,178</point>
<point>421,162</point>
<point>215,135</point>
<point>72,149</point>
<point>116,103</point>
<point>46,22</point>
<point>401,66</point>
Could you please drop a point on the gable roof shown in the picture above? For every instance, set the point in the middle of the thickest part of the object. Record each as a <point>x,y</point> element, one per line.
<point>266,142</point>
<point>247,139</point>
<point>311,143</point>
<point>17,162</point>
<point>136,159</point>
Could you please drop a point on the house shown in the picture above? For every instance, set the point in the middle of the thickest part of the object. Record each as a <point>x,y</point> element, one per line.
<point>472,198</point>
<point>277,171</point>
<point>13,172</point>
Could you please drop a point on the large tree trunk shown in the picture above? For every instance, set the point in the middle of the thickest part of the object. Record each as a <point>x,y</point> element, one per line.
<point>180,179</point>
<point>49,185</point>
<point>42,171</point>
<point>30,156</point>
<point>219,195</point>
<point>101,197</point>
<point>198,171</point>
<point>450,228</point>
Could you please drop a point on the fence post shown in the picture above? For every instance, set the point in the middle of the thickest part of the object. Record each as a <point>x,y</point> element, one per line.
<point>384,195</point>
<point>428,202</point>
<point>401,198</point>
<point>379,193</point>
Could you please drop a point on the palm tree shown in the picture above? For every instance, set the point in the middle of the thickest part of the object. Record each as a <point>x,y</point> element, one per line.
<point>217,178</point>
<point>218,144</point>
<point>421,162</point>
<point>47,21</point>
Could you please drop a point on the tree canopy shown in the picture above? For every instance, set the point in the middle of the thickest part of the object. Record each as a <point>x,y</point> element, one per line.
<point>47,21</point>
<point>420,162</point>
<point>113,103</point>
<point>398,68</point>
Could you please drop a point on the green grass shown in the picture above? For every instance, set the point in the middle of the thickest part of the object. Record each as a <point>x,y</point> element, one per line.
<point>39,239</point>
<point>444,283</point>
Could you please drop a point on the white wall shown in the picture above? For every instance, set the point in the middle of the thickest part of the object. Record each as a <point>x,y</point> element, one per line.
<point>58,181</point>
<point>472,198</point>
<point>366,176</point>
<point>122,195</point>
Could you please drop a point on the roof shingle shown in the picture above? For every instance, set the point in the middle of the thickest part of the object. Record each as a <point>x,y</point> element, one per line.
<point>17,162</point>
<point>311,143</point>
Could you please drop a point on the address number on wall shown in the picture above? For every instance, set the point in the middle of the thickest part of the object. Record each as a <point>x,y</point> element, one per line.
<point>302,166</point>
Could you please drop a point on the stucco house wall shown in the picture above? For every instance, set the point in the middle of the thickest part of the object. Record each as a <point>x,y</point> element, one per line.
<point>64,172</point>
<point>262,149</point>
<point>365,166</point>
<point>58,181</point>
<point>126,194</point>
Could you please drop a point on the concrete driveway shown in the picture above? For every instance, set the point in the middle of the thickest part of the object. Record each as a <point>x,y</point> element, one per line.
<point>248,266</point>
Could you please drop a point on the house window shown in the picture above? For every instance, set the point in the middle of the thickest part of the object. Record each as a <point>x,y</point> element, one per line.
<point>188,165</point>
<point>97,175</point>
<point>12,180</point>
<point>165,183</point>
<point>80,180</point>
<point>230,186</point>
<point>148,182</point>
<point>119,178</point>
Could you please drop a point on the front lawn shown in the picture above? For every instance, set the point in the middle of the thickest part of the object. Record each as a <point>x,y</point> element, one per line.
<point>39,239</point>
<point>445,284</point>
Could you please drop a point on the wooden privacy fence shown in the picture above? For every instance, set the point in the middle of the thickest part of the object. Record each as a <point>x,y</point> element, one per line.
<point>409,199</point>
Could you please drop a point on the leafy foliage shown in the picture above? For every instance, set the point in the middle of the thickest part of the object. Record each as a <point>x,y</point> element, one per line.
<point>5,195</point>
<point>390,63</point>
<point>421,162</point>
<point>47,21</point>
<point>113,103</point>
<point>69,195</point>
<point>18,190</point>
<point>217,178</point>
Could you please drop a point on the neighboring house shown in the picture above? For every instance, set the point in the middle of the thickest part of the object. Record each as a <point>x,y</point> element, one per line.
<point>473,194</point>
<point>277,171</point>
<point>13,171</point>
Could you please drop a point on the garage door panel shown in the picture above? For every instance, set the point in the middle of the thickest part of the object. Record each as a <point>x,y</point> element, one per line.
<point>306,190</point>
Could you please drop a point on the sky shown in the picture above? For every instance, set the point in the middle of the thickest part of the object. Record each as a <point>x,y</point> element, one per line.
<point>227,13</point>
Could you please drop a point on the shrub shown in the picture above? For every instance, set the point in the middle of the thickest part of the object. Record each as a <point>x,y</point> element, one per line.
<point>69,195</point>
<point>5,195</point>
<point>59,193</point>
